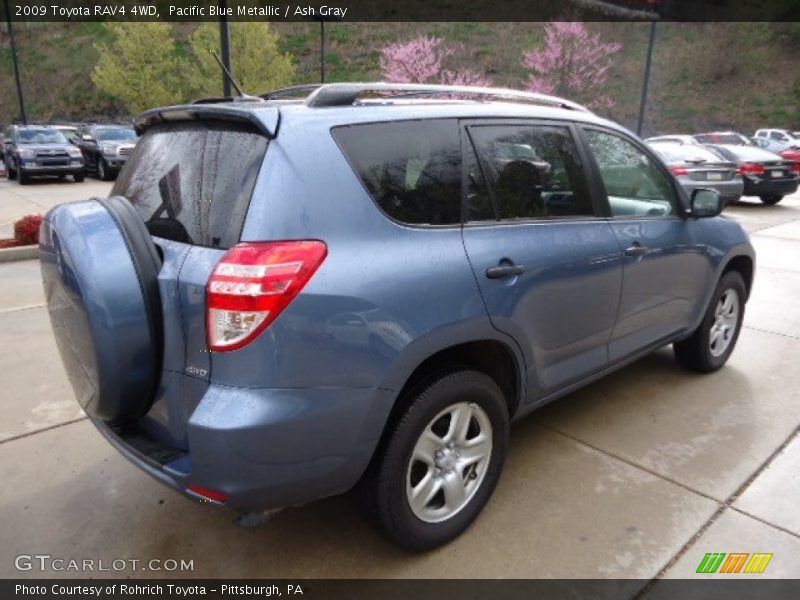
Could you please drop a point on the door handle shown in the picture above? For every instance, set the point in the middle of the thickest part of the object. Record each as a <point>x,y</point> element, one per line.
<point>501,271</point>
<point>636,249</point>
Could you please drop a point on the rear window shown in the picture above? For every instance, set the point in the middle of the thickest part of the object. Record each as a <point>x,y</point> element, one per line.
<point>412,169</point>
<point>192,181</point>
<point>721,138</point>
<point>686,153</point>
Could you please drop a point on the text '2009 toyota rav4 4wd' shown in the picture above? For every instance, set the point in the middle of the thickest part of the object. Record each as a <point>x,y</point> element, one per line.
<point>286,298</point>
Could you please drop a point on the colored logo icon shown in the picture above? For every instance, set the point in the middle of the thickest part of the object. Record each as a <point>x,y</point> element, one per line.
<point>735,562</point>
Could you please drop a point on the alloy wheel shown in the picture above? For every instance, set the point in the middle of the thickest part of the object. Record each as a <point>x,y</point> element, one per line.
<point>726,318</point>
<point>449,462</point>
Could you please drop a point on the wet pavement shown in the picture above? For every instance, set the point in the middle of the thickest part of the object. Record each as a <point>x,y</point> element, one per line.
<point>636,476</point>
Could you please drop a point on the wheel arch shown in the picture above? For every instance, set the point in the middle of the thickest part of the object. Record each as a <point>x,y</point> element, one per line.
<point>745,266</point>
<point>499,359</point>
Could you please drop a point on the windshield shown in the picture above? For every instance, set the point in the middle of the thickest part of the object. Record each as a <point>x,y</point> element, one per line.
<point>115,134</point>
<point>41,136</point>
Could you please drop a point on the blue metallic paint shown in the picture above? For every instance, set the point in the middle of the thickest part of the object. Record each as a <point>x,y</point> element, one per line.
<point>298,413</point>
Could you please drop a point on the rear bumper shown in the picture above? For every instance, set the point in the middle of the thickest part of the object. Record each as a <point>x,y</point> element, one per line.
<point>759,187</point>
<point>265,448</point>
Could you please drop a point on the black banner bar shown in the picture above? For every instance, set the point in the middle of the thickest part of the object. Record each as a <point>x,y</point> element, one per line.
<point>406,10</point>
<point>752,587</point>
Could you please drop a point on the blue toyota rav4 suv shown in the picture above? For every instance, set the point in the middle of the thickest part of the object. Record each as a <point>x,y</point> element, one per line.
<point>285,298</point>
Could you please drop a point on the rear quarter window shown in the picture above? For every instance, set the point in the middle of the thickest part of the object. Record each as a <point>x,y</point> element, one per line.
<point>192,181</point>
<point>412,169</point>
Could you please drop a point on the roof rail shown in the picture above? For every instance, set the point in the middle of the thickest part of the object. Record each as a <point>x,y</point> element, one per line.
<point>294,90</point>
<point>345,94</point>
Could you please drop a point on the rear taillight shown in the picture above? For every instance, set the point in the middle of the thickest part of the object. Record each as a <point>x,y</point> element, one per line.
<point>679,170</point>
<point>796,168</point>
<point>751,169</point>
<point>252,284</point>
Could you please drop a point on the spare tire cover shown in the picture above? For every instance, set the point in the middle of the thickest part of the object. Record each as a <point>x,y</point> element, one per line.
<point>100,273</point>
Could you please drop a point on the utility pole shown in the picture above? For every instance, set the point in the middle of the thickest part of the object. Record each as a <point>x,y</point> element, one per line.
<point>646,82</point>
<point>16,64</point>
<point>225,46</point>
<point>322,50</point>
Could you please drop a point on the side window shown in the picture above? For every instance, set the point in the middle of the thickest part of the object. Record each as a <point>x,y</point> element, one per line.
<point>412,169</point>
<point>776,136</point>
<point>634,184</point>
<point>534,171</point>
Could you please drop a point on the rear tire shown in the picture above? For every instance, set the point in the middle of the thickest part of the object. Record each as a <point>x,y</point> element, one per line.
<point>771,199</point>
<point>444,456</point>
<point>712,343</point>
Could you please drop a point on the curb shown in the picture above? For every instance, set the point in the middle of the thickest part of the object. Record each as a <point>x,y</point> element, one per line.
<point>19,253</point>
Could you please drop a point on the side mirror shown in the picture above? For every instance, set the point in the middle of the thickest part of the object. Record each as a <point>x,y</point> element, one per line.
<point>705,203</point>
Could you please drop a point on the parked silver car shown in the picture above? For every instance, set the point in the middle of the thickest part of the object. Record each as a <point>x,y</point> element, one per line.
<point>697,167</point>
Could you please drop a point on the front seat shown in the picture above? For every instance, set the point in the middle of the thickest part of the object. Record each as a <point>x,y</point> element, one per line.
<point>519,185</point>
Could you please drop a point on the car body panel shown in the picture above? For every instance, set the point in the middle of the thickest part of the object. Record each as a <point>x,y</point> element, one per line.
<point>660,289</point>
<point>572,264</point>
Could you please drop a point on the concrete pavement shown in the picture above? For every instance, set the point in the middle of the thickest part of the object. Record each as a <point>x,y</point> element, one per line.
<point>41,195</point>
<point>637,476</point>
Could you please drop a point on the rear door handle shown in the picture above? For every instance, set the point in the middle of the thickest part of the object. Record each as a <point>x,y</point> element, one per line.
<point>501,271</point>
<point>636,249</point>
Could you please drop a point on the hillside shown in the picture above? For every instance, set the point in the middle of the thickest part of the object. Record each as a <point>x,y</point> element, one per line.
<point>715,75</point>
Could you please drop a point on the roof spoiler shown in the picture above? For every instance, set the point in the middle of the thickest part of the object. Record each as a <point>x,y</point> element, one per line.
<point>264,118</point>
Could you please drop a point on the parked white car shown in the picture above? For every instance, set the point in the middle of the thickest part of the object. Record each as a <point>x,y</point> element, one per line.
<point>776,139</point>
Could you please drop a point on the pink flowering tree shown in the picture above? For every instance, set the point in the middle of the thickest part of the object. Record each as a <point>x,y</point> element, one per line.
<point>573,63</point>
<point>422,60</point>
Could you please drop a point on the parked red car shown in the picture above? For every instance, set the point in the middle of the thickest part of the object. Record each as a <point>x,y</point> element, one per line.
<point>791,154</point>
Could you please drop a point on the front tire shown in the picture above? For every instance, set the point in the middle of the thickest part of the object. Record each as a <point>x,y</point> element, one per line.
<point>712,343</point>
<point>771,199</point>
<point>24,178</point>
<point>102,170</point>
<point>441,462</point>
<point>78,177</point>
<point>12,172</point>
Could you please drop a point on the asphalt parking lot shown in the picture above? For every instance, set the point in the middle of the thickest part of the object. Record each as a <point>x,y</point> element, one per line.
<point>637,476</point>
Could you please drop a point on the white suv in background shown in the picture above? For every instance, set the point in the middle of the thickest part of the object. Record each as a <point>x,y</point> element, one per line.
<point>776,139</point>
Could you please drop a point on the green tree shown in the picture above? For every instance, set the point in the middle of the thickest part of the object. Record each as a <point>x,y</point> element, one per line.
<point>140,67</point>
<point>257,64</point>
